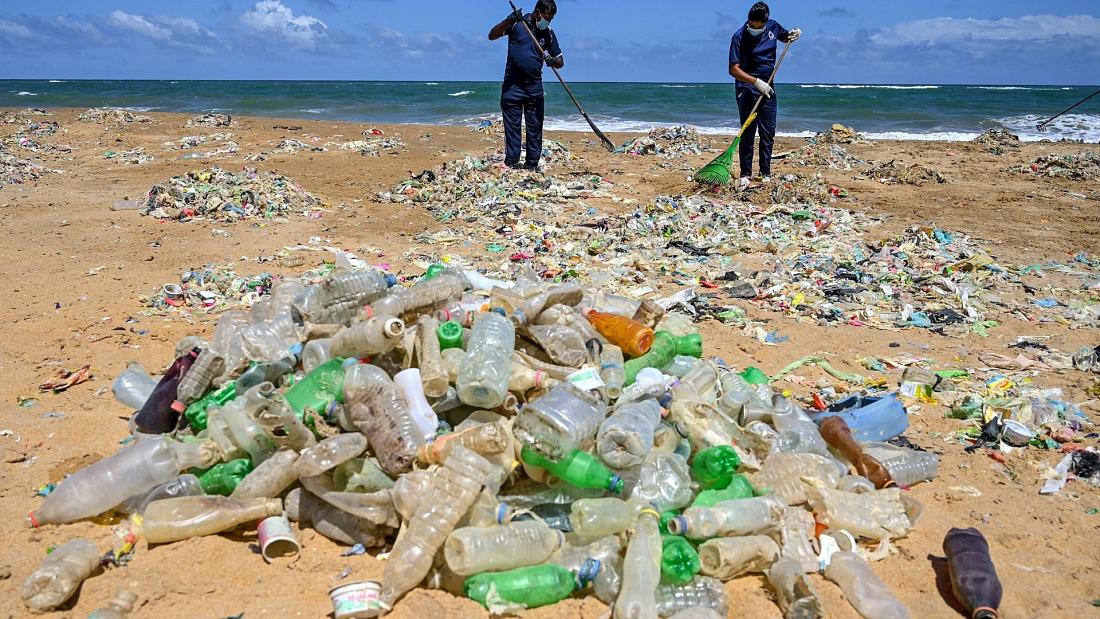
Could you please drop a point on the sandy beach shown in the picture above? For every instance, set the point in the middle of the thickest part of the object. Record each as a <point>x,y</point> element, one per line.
<point>73,273</point>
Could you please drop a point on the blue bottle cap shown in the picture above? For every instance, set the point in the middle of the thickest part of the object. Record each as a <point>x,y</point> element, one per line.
<point>499,310</point>
<point>391,280</point>
<point>588,572</point>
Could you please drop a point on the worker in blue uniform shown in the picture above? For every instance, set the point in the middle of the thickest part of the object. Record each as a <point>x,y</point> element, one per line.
<point>752,58</point>
<point>522,98</point>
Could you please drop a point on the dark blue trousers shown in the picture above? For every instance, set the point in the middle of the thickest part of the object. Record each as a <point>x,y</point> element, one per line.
<point>519,103</point>
<point>765,120</point>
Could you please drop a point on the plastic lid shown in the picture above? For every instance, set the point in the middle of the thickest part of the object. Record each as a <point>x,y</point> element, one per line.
<point>588,571</point>
<point>499,310</point>
<point>178,406</point>
<point>391,280</point>
<point>616,484</point>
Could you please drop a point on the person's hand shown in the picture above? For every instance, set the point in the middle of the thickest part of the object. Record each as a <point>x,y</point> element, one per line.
<point>548,57</point>
<point>514,17</point>
<point>794,35</point>
<point>764,88</point>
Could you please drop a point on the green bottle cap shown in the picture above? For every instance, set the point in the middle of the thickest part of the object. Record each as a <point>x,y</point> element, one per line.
<point>450,335</point>
<point>434,270</point>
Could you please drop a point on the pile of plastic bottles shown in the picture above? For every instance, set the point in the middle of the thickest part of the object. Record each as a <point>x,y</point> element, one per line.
<point>545,441</point>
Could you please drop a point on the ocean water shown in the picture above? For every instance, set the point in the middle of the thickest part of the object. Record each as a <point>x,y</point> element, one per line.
<point>881,111</point>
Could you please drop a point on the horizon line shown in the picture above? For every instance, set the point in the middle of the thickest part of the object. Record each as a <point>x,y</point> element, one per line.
<point>424,81</point>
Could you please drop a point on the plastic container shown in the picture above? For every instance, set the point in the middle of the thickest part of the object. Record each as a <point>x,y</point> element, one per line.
<point>782,474</point>
<point>793,590</point>
<point>664,348</point>
<point>361,475</point>
<point>664,480</point>
<point>701,592</point>
<point>483,377</point>
<point>357,600</point>
<point>578,468</point>
<point>729,518</point>
<point>276,538</point>
<point>797,432</point>
<point>376,336</point>
<point>207,366</point>
<point>680,366</point>
<point>863,589</point>
<point>337,525</point>
<point>907,467</point>
<point>883,514</point>
<point>270,478</point>
<point>330,453</point>
<point>184,485</point>
<point>379,413</point>
<point>171,520</point>
<point>160,413</point>
<point>797,535</point>
<point>223,478</point>
<point>270,339</point>
<point>320,388</point>
<point>838,436</point>
<point>135,469</point>
<point>472,550</point>
<point>429,359</point>
<point>612,370</point>
<point>726,558</point>
<point>739,488</point>
<point>560,421</point>
<point>269,371</point>
<point>626,437</point>
<point>526,587</point>
<point>973,577</point>
<point>634,338</point>
<point>592,518</point>
<point>316,353</point>
<point>453,490</point>
<point>870,418</point>
<point>679,560</point>
<point>133,386</point>
<point>641,570</point>
<point>59,575</point>
<point>119,607</point>
<point>714,467</point>
<point>411,388</point>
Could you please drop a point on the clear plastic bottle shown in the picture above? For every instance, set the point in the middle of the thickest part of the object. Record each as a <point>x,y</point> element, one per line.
<point>134,469</point>
<point>315,353</point>
<point>378,335</point>
<point>487,440</point>
<point>782,474</point>
<point>736,393</point>
<point>171,520</point>
<point>607,552</point>
<point>330,453</point>
<point>184,485</point>
<point>429,358</point>
<point>453,489</point>
<point>701,592</point>
<point>227,339</point>
<point>423,298</point>
<point>797,432</point>
<point>863,589</point>
<point>339,298</point>
<point>472,550</point>
<point>339,526</point>
<point>698,612</point>
<point>700,384</point>
<point>270,339</point>
<point>680,366</point>
<point>269,371</point>
<point>560,421</point>
<point>794,591</point>
<point>273,413</point>
<point>60,575</point>
<point>907,467</point>
<point>119,607</point>
<point>611,370</point>
<point>378,412</point>
<point>883,514</point>
<point>238,435</point>
<point>133,386</point>
<point>563,344</point>
<point>376,507</point>
<point>209,365</point>
<point>270,478</point>
<point>603,301</point>
<point>626,437</point>
<point>664,480</point>
<point>360,475</point>
<point>797,533</point>
<point>411,388</point>
<point>726,558</point>
<point>483,377</point>
<point>641,570</point>
<point>729,518</point>
<point>599,517</point>
<point>523,379</point>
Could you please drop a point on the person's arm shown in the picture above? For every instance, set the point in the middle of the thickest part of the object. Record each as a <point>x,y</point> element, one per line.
<point>503,27</point>
<point>740,75</point>
<point>554,57</point>
<point>788,36</point>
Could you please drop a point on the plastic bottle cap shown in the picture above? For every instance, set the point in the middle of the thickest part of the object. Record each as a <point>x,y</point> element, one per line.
<point>588,571</point>
<point>499,310</point>
<point>616,484</point>
<point>678,525</point>
<point>178,406</point>
<point>391,280</point>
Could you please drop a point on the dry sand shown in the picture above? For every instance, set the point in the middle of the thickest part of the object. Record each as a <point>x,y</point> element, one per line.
<point>56,315</point>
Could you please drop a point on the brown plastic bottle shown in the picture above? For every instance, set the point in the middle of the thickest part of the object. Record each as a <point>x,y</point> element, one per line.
<point>838,435</point>
<point>633,337</point>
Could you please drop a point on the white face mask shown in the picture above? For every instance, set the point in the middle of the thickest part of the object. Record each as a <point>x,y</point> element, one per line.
<point>755,31</point>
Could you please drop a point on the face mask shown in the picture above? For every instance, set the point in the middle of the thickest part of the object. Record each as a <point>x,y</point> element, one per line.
<point>755,31</point>
<point>542,24</point>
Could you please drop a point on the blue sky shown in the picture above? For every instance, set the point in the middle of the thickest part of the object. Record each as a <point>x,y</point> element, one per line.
<point>859,41</point>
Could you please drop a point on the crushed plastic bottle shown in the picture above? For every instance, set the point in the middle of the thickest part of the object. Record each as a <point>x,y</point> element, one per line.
<point>641,570</point>
<point>863,589</point>
<point>626,437</point>
<point>701,592</point>
<point>472,550</point>
<point>119,607</point>
<point>171,520</point>
<point>60,575</point>
<point>483,377</point>
<point>560,421</point>
<point>726,558</point>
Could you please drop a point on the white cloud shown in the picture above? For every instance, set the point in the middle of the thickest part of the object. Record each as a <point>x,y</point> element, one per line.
<point>181,31</point>
<point>273,18</point>
<point>8,28</point>
<point>1029,28</point>
<point>137,23</point>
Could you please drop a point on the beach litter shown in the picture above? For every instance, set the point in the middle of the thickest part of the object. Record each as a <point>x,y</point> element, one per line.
<point>219,195</point>
<point>370,148</point>
<point>291,145</point>
<point>1082,166</point>
<point>280,414</point>
<point>211,120</point>
<point>107,115</point>
<point>840,134</point>
<point>16,170</point>
<point>996,141</point>
<point>133,156</point>
<point>667,142</point>
<point>894,173</point>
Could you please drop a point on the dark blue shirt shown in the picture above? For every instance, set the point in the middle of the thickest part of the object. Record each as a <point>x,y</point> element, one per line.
<point>756,54</point>
<point>524,63</point>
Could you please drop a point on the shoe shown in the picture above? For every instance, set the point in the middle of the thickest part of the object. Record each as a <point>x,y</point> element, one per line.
<point>743,182</point>
<point>766,179</point>
<point>531,167</point>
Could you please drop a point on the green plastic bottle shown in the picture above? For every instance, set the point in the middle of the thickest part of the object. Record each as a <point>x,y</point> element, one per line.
<point>754,376</point>
<point>196,412</point>
<point>223,478</point>
<point>665,347</point>
<point>434,270</point>
<point>739,488</point>
<point>714,467</point>
<point>662,522</point>
<point>679,560</point>
<point>579,468</point>
<point>539,585</point>
<point>450,335</point>
<point>323,386</point>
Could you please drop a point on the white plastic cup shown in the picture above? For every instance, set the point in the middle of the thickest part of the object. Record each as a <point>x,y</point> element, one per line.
<point>277,539</point>
<point>357,600</point>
